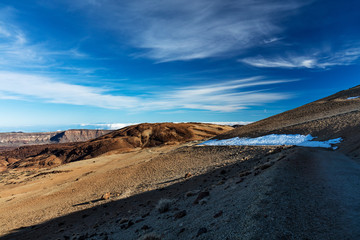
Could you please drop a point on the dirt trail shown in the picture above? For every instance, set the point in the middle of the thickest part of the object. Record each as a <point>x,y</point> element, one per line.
<point>315,194</point>
<point>340,176</point>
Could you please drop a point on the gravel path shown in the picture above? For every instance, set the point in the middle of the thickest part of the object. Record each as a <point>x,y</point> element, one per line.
<point>315,194</point>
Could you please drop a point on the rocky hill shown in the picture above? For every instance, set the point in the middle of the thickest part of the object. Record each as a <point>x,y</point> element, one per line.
<point>122,140</point>
<point>15,139</point>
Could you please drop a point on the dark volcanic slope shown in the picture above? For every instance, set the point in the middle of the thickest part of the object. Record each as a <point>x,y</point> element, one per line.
<point>15,139</point>
<point>125,139</point>
<point>330,117</point>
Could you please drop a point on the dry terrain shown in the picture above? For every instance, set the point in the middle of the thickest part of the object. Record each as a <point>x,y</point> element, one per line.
<point>140,184</point>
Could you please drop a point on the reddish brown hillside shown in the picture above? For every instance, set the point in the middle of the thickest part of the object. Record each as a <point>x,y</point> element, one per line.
<point>125,139</point>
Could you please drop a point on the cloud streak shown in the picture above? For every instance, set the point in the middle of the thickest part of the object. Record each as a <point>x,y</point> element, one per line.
<point>320,59</point>
<point>13,45</point>
<point>39,88</point>
<point>186,29</point>
<point>227,96</point>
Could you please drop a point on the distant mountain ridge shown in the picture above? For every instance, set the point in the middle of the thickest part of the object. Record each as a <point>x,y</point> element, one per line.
<point>15,139</point>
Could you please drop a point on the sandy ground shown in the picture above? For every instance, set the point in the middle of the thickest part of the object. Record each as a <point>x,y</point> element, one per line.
<point>29,197</point>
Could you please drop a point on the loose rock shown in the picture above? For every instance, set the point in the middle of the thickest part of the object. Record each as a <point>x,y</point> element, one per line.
<point>201,196</point>
<point>218,214</point>
<point>180,214</point>
<point>201,231</point>
<point>187,175</point>
<point>106,196</point>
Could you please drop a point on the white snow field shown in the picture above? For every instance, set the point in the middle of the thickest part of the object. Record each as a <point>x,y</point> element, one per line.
<point>275,139</point>
<point>353,98</point>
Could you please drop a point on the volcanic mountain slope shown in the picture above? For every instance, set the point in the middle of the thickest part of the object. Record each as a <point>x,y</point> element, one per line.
<point>15,139</point>
<point>335,116</point>
<point>125,139</point>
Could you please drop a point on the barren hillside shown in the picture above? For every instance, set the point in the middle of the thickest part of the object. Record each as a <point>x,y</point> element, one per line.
<point>335,116</point>
<point>123,140</point>
<point>343,103</point>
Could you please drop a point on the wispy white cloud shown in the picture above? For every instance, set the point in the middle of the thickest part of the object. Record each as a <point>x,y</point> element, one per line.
<point>39,88</point>
<point>280,62</point>
<point>18,51</point>
<point>320,59</point>
<point>227,96</point>
<point>13,45</point>
<point>4,96</point>
<point>186,29</point>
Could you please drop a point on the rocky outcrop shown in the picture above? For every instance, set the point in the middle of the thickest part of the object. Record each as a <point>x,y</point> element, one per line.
<point>78,135</point>
<point>15,139</point>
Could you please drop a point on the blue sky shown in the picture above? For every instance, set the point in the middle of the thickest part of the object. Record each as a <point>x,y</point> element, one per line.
<point>72,63</point>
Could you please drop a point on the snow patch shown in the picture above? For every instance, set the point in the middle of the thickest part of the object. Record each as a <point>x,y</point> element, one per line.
<point>349,98</point>
<point>274,139</point>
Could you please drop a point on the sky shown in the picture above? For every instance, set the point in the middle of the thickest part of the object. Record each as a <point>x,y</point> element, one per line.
<point>103,63</point>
